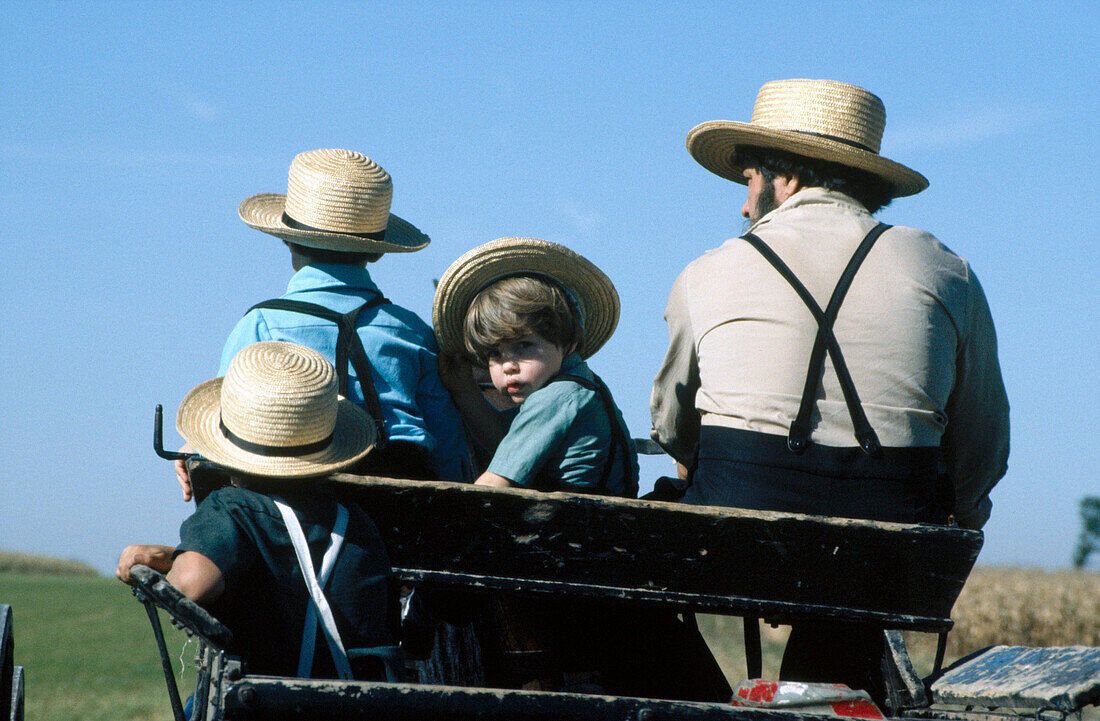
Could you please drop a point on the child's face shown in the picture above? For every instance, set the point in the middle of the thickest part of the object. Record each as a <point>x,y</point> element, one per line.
<point>521,366</point>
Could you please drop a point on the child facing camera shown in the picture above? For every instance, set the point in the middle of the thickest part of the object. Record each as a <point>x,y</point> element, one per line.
<point>531,311</point>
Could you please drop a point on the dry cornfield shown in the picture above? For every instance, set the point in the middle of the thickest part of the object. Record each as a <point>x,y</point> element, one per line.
<point>1026,607</point>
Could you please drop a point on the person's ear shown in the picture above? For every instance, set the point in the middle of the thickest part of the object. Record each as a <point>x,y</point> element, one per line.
<point>786,186</point>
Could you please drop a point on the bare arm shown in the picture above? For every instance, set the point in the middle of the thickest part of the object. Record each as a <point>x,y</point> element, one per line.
<point>192,573</point>
<point>197,577</point>
<point>491,479</point>
<point>485,424</point>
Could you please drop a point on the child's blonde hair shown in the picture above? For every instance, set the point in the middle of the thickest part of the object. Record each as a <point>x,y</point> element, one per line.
<point>517,306</point>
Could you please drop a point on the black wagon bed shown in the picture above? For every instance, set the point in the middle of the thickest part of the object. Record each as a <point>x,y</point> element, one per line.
<point>776,566</point>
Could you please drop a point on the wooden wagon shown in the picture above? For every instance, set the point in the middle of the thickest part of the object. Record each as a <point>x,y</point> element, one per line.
<point>778,567</point>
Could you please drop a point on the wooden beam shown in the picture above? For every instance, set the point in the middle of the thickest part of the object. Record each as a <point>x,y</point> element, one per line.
<point>777,566</point>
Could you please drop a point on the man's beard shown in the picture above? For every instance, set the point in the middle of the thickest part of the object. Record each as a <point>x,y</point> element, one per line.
<point>765,203</point>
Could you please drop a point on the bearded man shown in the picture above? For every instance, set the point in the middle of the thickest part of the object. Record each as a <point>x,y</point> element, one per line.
<point>825,363</point>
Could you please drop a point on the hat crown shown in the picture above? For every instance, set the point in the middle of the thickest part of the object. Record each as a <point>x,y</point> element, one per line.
<point>825,108</point>
<point>339,191</point>
<point>279,394</point>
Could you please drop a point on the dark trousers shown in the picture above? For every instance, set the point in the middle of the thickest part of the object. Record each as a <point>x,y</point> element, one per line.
<point>756,471</point>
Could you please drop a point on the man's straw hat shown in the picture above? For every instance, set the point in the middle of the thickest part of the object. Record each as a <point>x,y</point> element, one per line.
<point>335,199</point>
<point>593,292</point>
<point>276,413</point>
<point>820,119</point>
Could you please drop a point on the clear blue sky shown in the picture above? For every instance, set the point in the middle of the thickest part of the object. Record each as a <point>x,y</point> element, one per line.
<point>131,132</point>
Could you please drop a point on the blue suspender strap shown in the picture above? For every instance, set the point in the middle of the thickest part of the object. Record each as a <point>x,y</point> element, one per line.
<point>799,435</point>
<point>318,606</point>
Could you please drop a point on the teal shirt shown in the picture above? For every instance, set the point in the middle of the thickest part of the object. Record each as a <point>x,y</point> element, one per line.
<point>560,439</point>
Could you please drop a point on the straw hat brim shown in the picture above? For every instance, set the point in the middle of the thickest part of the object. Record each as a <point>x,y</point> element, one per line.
<point>507,257</point>
<point>713,144</point>
<point>198,421</point>
<point>264,211</point>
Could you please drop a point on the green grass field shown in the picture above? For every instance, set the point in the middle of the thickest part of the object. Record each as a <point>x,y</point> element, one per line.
<point>87,649</point>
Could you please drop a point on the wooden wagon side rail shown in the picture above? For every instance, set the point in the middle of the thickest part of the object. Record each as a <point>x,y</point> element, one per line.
<point>721,560</point>
<point>260,697</point>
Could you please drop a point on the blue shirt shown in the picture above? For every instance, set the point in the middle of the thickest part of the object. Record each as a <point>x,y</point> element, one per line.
<point>560,438</point>
<point>401,348</point>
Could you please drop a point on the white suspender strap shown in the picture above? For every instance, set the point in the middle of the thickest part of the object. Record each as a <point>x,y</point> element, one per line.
<point>309,631</point>
<point>318,606</point>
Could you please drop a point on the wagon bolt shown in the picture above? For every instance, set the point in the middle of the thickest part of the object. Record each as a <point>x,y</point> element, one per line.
<point>248,695</point>
<point>647,714</point>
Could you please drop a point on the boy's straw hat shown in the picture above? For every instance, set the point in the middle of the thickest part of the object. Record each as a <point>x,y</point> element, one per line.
<point>276,413</point>
<point>592,291</point>
<point>820,119</point>
<point>335,199</point>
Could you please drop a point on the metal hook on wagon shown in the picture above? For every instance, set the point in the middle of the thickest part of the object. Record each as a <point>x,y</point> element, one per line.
<point>158,439</point>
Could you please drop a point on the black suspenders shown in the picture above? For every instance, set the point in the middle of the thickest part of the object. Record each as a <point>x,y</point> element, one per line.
<point>618,436</point>
<point>799,435</point>
<point>349,347</point>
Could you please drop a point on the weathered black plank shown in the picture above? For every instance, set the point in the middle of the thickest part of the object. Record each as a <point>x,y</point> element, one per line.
<point>904,688</point>
<point>1063,678</point>
<point>186,614</point>
<point>15,709</point>
<point>775,565</point>
<point>260,697</point>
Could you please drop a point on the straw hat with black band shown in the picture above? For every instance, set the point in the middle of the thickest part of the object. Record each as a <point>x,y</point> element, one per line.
<point>337,200</point>
<point>592,292</point>
<point>820,119</point>
<point>276,413</point>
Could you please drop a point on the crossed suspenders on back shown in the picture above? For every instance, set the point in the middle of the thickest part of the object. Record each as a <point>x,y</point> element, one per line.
<point>799,436</point>
<point>349,348</point>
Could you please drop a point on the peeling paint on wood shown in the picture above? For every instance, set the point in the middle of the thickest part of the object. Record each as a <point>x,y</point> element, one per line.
<point>1062,678</point>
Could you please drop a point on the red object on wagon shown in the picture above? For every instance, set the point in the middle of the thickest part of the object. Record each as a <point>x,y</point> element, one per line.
<point>829,699</point>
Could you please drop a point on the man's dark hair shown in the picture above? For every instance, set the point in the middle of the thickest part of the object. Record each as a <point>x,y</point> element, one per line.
<point>339,257</point>
<point>871,191</point>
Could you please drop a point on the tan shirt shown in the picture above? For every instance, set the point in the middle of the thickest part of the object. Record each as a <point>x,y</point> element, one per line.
<point>915,331</point>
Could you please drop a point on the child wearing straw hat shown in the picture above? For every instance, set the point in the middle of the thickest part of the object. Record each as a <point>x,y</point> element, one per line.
<point>258,553</point>
<point>335,218</point>
<point>531,311</point>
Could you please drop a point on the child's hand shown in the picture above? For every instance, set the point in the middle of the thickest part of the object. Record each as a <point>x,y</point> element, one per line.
<point>159,558</point>
<point>457,374</point>
<point>181,473</point>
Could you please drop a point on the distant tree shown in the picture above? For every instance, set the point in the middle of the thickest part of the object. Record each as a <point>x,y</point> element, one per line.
<point>1089,541</point>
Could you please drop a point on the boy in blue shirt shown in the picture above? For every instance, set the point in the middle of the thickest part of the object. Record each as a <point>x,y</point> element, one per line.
<point>335,219</point>
<point>531,311</point>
